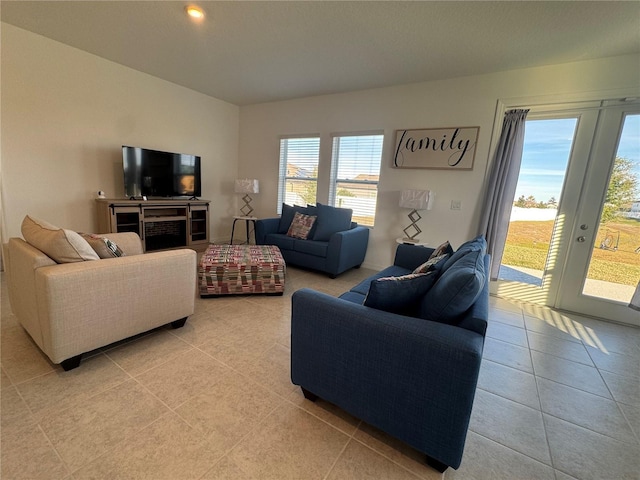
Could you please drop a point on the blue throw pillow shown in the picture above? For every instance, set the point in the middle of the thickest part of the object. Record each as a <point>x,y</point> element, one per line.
<point>477,244</point>
<point>456,289</point>
<point>331,220</point>
<point>400,295</point>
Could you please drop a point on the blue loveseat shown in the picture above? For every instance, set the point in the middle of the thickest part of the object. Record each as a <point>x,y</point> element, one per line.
<point>413,378</point>
<point>334,245</point>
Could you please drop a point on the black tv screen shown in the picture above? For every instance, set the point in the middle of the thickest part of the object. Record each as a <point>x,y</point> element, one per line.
<point>153,173</point>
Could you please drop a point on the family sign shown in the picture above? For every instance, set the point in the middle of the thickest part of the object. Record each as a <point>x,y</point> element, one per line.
<point>443,148</point>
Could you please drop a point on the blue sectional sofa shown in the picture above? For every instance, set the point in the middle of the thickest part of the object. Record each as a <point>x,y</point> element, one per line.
<point>411,374</point>
<point>333,245</point>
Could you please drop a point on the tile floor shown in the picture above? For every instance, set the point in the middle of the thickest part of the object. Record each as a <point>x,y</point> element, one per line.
<point>558,398</point>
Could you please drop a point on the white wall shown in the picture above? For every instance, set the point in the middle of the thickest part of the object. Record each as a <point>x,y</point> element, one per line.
<point>468,101</point>
<point>66,114</point>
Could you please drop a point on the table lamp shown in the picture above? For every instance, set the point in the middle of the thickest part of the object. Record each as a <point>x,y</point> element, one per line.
<point>247,186</point>
<point>415,200</point>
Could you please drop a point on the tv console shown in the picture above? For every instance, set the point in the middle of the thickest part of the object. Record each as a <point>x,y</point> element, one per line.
<point>161,224</point>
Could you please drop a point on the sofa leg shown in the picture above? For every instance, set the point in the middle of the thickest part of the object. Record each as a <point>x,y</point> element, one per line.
<point>179,323</point>
<point>71,363</point>
<point>435,464</point>
<point>308,395</point>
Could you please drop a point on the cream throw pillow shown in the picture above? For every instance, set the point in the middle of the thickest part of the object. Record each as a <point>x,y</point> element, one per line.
<point>61,245</point>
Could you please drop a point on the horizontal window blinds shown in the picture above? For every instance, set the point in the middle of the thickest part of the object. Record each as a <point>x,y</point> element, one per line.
<point>355,172</point>
<point>298,174</point>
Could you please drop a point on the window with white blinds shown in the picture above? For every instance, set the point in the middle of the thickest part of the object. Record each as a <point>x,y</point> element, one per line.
<point>298,174</point>
<point>355,171</point>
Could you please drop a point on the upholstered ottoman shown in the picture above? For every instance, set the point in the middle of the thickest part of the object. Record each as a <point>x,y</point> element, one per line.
<point>241,269</point>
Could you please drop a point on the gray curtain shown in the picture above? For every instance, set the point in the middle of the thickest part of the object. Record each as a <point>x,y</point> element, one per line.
<point>501,186</point>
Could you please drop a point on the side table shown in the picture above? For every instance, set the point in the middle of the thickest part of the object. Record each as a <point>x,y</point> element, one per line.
<point>401,240</point>
<point>247,220</point>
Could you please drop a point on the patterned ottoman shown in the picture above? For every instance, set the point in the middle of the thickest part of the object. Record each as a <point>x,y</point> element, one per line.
<point>241,269</point>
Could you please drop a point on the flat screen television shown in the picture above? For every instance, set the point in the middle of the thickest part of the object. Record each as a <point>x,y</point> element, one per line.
<point>152,173</point>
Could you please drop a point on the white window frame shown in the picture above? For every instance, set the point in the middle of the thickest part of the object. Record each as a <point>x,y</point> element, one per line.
<point>285,161</point>
<point>368,183</point>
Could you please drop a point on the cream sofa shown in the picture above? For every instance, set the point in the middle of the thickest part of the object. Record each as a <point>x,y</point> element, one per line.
<point>72,308</point>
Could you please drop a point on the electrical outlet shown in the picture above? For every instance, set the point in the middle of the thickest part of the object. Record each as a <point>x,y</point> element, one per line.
<point>456,204</point>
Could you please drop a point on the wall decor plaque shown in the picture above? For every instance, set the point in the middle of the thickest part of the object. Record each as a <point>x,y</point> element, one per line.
<point>438,148</point>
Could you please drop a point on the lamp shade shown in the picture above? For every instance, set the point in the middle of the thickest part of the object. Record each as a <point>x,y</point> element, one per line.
<point>247,185</point>
<point>416,199</point>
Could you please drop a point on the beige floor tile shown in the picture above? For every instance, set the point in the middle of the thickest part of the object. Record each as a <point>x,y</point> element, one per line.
<point>285,340</point>
<point>589,455</point>
<point>585,409</point>
<point>358,462</point>
<point>505,304</point>
<point>558,347</point>
<point>245,343</point>
<point>82,433</point>
<point>272,370</point>
<point>205,327</point>
<point>326,411</point>
<point>507,354</point>
<point>167,449</point>
<point>511,424</point>
<point>13,408</point>
<point>624,389</point>
<point>395,450</point>
<point>623,343</point>
<point>507,333</point>
<point>59,390</point>
<point>485,459</point>
<point>563,476</point>
<point>27,454</point>
<point>228,410</point>
<point>607,328</point>
<point>291,444</point>
<point>625,365</point>
<point>632,414</point>
<point>577,375</point>
<point>8,320</point>
<point>555,326</point>
<point>513,318</point>
<point>21,358</point>
<point>148,352</point>
<point>509,382</point>
<point>96,414</point>
<point>226,469</point>
<point>187,375</point>
<point>5,381</point>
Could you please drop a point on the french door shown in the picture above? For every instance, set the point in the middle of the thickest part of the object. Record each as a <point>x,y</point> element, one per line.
<point>602,265</point>
<point>591,266</point>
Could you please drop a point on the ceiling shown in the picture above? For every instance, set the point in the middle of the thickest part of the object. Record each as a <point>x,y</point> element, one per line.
<point>247,52</point>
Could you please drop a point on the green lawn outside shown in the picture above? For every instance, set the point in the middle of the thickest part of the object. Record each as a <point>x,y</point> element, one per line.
<point>528,243</point>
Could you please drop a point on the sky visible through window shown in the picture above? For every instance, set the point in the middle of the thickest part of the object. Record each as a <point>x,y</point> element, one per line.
<point>547,146</point>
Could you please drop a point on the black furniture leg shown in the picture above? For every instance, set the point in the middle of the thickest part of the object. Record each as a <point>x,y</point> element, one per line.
<point>435,464</point>
<point>71,363</point>
<point>308,395</point>
<point>179,323</point>
<point>233,229</point>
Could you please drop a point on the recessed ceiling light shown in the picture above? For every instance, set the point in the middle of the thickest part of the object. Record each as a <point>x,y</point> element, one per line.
<point>195,12</point>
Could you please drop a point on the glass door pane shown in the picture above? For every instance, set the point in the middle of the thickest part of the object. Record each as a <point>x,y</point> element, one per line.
<point>614,266</point>
<point>601,269</point>
<point>547,147</point>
